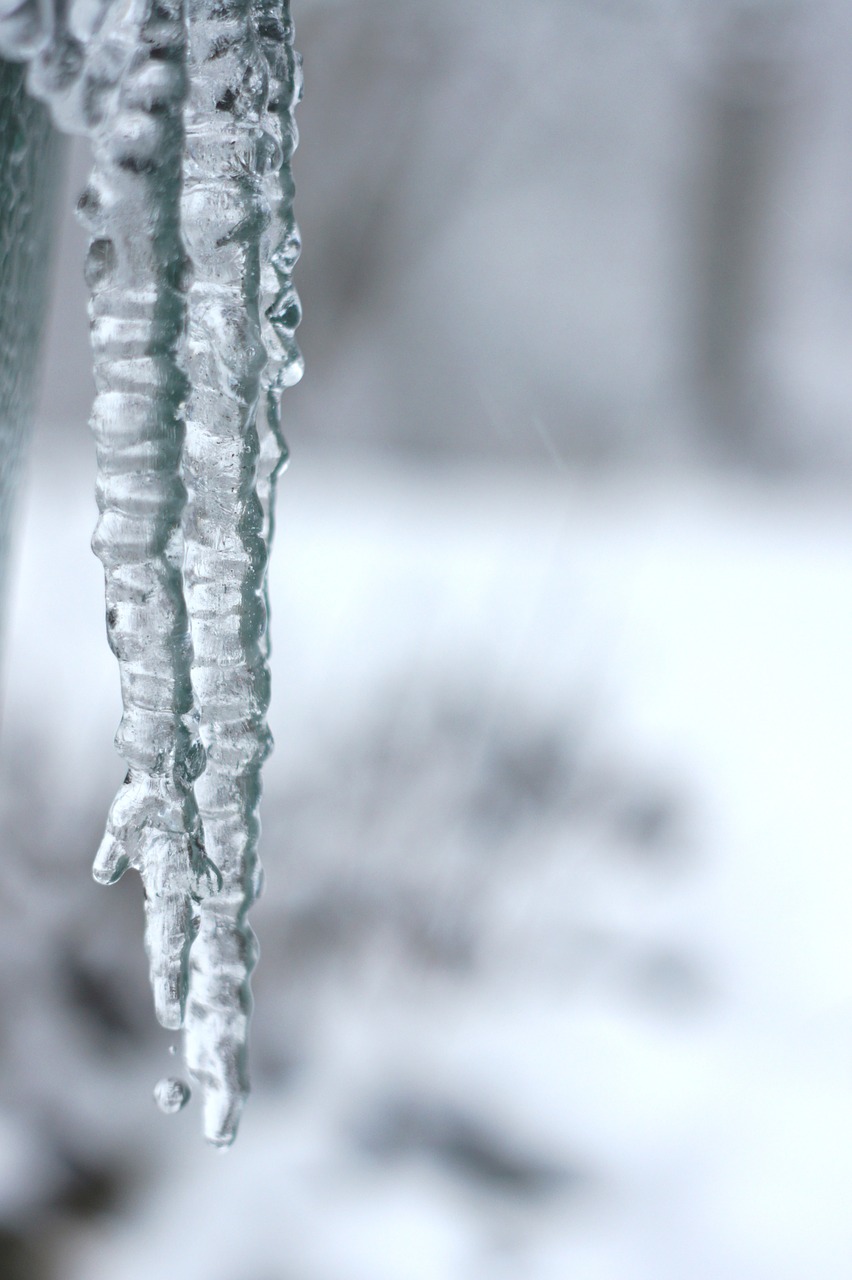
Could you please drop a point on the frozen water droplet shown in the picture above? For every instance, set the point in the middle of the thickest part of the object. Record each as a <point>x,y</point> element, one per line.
<point>171,1095</point>
<point>173,1050</point>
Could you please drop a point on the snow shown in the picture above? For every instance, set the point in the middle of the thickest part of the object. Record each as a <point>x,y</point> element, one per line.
<point>555,974</point>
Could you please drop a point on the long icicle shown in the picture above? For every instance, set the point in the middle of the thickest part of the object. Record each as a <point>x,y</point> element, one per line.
<point>189,108</point>
<point>233,146</point>
<point>136,270</point>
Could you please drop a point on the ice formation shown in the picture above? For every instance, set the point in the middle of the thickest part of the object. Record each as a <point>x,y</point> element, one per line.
<point>188,105</point>
<point>171,1095</point>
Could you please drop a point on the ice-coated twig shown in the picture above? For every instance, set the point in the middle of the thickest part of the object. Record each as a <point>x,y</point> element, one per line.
<point>232,208</point>
<point>136,270</point>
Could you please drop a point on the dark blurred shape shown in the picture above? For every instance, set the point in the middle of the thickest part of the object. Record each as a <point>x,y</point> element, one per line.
<point>470,1148</point>
<point>102,997</point>
<point>749,93</point>
<point>22,1257</point>
<point>648,820</point>
<point>525,770</point>
<point>92,1191</point>
<point>671,980</point>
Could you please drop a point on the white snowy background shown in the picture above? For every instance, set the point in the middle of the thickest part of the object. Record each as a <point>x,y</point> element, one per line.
<point>556,970</point>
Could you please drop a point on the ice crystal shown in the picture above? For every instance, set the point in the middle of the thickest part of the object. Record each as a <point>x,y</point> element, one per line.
<point>188,106</point>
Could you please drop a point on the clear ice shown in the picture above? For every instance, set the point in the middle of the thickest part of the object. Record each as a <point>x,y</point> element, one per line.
<point>188,106</point>
<point>171,1095</point>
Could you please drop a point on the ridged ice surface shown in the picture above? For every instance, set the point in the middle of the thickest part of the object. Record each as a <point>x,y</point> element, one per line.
<point>188,105</point>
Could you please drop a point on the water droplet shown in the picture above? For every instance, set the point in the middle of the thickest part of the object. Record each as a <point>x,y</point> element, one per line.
<point>171,1095</point>
<point>172,1049</point>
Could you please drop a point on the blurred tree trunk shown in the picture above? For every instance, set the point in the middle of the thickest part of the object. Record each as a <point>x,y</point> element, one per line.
<point>748,105</point>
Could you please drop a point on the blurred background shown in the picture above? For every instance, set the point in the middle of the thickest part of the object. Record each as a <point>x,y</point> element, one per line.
<point>556,972</point>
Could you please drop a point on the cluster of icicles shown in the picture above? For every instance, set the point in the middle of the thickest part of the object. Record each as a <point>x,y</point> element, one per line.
<point>188,105</point>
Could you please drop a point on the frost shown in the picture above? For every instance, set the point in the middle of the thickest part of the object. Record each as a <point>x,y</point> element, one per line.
<point>188,107</point>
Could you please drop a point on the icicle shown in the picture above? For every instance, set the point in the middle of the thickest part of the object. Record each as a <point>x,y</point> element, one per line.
<point>188,104</point>
<point>233,148</point>
<point>136,270</point>
<point>123,86</point>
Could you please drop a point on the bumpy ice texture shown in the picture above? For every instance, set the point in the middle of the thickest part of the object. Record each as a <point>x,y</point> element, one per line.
<point>188,105</point>
<point>242,75</point>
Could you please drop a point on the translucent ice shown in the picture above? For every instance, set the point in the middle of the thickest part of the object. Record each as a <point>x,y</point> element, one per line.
<point>188,106</point>
<point>171,1095</point>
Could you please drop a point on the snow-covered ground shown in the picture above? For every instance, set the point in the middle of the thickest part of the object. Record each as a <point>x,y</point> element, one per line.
<point>556,975</point>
